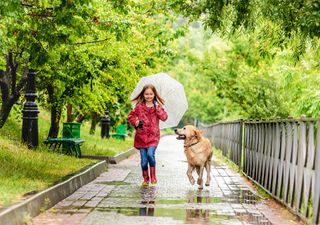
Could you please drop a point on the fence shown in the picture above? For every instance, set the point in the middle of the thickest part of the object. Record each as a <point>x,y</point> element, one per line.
<point>283,157</point>
<point>227,137</point>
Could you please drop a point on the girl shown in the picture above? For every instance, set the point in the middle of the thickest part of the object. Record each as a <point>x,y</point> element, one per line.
<point>145,118</point>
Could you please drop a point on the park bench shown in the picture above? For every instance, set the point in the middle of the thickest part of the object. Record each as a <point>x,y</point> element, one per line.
<point>69,143</point>
<point>121,132</point>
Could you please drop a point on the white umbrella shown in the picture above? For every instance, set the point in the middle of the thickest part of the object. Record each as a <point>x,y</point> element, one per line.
<point>171,91</point>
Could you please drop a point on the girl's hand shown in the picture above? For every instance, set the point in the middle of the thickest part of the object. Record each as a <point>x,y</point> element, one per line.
<point>137,123</point>
<point>159,106</point>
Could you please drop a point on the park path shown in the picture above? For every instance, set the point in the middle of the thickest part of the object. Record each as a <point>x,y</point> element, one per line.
<point>116,197</point>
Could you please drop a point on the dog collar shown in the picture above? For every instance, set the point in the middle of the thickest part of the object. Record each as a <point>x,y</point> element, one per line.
<point>187,146</point>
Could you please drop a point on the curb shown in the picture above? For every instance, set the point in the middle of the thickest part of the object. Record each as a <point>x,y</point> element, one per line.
<point>121,156</point>
<point>113,159</point>
<point>33,206</point>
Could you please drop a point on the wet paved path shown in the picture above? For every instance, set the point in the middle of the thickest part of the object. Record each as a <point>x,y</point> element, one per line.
<point>116,197</point>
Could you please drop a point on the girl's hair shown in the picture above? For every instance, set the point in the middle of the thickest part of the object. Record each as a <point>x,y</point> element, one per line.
<point>140,98</point>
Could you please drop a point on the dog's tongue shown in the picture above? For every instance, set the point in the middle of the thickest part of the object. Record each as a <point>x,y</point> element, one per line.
<point>180,137</point>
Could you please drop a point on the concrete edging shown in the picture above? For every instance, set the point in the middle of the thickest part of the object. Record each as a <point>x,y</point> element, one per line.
<point>33,206</point>
<point>113,159</point>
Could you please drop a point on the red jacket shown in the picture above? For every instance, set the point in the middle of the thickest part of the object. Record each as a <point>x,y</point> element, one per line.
<point>149,135</point>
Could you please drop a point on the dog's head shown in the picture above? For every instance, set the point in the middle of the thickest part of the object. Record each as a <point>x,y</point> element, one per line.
<point>188,132</point>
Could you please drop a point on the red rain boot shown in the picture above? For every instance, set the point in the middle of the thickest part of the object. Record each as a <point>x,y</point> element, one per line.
<point>153,175</point>
<point>145,175</point>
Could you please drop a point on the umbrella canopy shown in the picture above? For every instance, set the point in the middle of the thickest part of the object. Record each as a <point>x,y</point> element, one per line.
<point>171,91</point>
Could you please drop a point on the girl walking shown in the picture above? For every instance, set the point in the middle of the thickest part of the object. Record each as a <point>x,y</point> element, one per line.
<point>145,118</point>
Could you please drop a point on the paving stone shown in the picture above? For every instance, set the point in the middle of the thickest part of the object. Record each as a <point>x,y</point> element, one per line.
<point>89,195</point>
<point>75,218</point>
<point>92,204</point>
<point>75,196</point>
<point>228,200</point>
<point>64,203</point>
<point>78,203</point>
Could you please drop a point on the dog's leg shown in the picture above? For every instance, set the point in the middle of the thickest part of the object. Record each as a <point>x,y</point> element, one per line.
<point>208,169</point>
<point>200,178</point>
<point>198,170</point>
<point>189,174</point>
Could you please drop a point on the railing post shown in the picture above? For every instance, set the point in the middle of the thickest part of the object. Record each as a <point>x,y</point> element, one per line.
<point>316,183</point>
<point>301,163</point>
<point>241,145</point>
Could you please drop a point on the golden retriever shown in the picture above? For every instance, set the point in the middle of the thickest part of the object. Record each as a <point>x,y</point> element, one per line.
<point>198,152</point>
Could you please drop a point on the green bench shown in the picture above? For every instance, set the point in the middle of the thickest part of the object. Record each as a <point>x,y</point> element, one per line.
<point>70,146</point>
<point>69,143</point>
<point>121,132</point>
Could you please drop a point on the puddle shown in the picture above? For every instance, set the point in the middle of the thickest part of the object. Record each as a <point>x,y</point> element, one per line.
<point>113,183</point>
<point>191,216</point>
<point>197,207</point>
<point>241,197</point>
<point>236,197</point>
<point>195,215</point>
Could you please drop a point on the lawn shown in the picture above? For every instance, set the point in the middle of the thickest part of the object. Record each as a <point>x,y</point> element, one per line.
<point>24,171</point>
<point>95,145</point>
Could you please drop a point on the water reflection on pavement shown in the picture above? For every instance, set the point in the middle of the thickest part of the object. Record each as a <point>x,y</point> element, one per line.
<point>174,201</point>
<point>119,197</point>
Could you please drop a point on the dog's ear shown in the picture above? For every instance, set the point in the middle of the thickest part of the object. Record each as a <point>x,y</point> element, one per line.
<point>198,133</point>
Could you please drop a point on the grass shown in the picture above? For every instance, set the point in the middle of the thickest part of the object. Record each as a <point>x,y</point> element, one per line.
<point>24,172</point>
<point>167,131</point>
<point>95,145</point>
<point>221,158</point>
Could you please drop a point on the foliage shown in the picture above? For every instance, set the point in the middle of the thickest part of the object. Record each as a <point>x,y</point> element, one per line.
<point>201,93</point>
<point>248,74</point>
<point>291,16</point>
<point>88,53</point>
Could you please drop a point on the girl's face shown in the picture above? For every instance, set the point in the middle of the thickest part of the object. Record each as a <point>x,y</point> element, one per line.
<point>148,95</point>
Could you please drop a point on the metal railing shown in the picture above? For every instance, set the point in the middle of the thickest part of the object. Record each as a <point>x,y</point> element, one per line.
<point>282,157</point>
<point>227,137</point>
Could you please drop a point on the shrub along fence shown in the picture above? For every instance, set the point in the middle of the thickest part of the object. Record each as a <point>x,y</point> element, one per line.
<point>281,156</point>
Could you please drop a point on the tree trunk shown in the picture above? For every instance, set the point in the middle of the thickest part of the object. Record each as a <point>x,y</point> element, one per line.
<point>4,113</point>
<point>55,120</point>
<point>94,121</point>
<point>69,113</point>
<point>56,110</point>
<point>10,90</point>
<point>80,118</point>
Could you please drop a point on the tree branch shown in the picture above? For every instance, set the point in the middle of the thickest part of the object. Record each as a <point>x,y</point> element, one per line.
<point>13,72</point>
<point>90,42</point>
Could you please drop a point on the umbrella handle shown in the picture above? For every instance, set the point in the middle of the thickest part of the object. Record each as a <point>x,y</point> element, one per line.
<point>154,103</point>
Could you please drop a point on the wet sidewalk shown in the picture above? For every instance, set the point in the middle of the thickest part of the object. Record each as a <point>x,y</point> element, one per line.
<point>116,197</point>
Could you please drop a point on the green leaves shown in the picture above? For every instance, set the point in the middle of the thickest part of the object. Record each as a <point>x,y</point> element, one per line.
<point>225,16</point>
<point>256,74</point>
<point>89,53</point>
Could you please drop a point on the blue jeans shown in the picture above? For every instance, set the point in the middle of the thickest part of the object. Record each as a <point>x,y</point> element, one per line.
<point>148,157</point>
